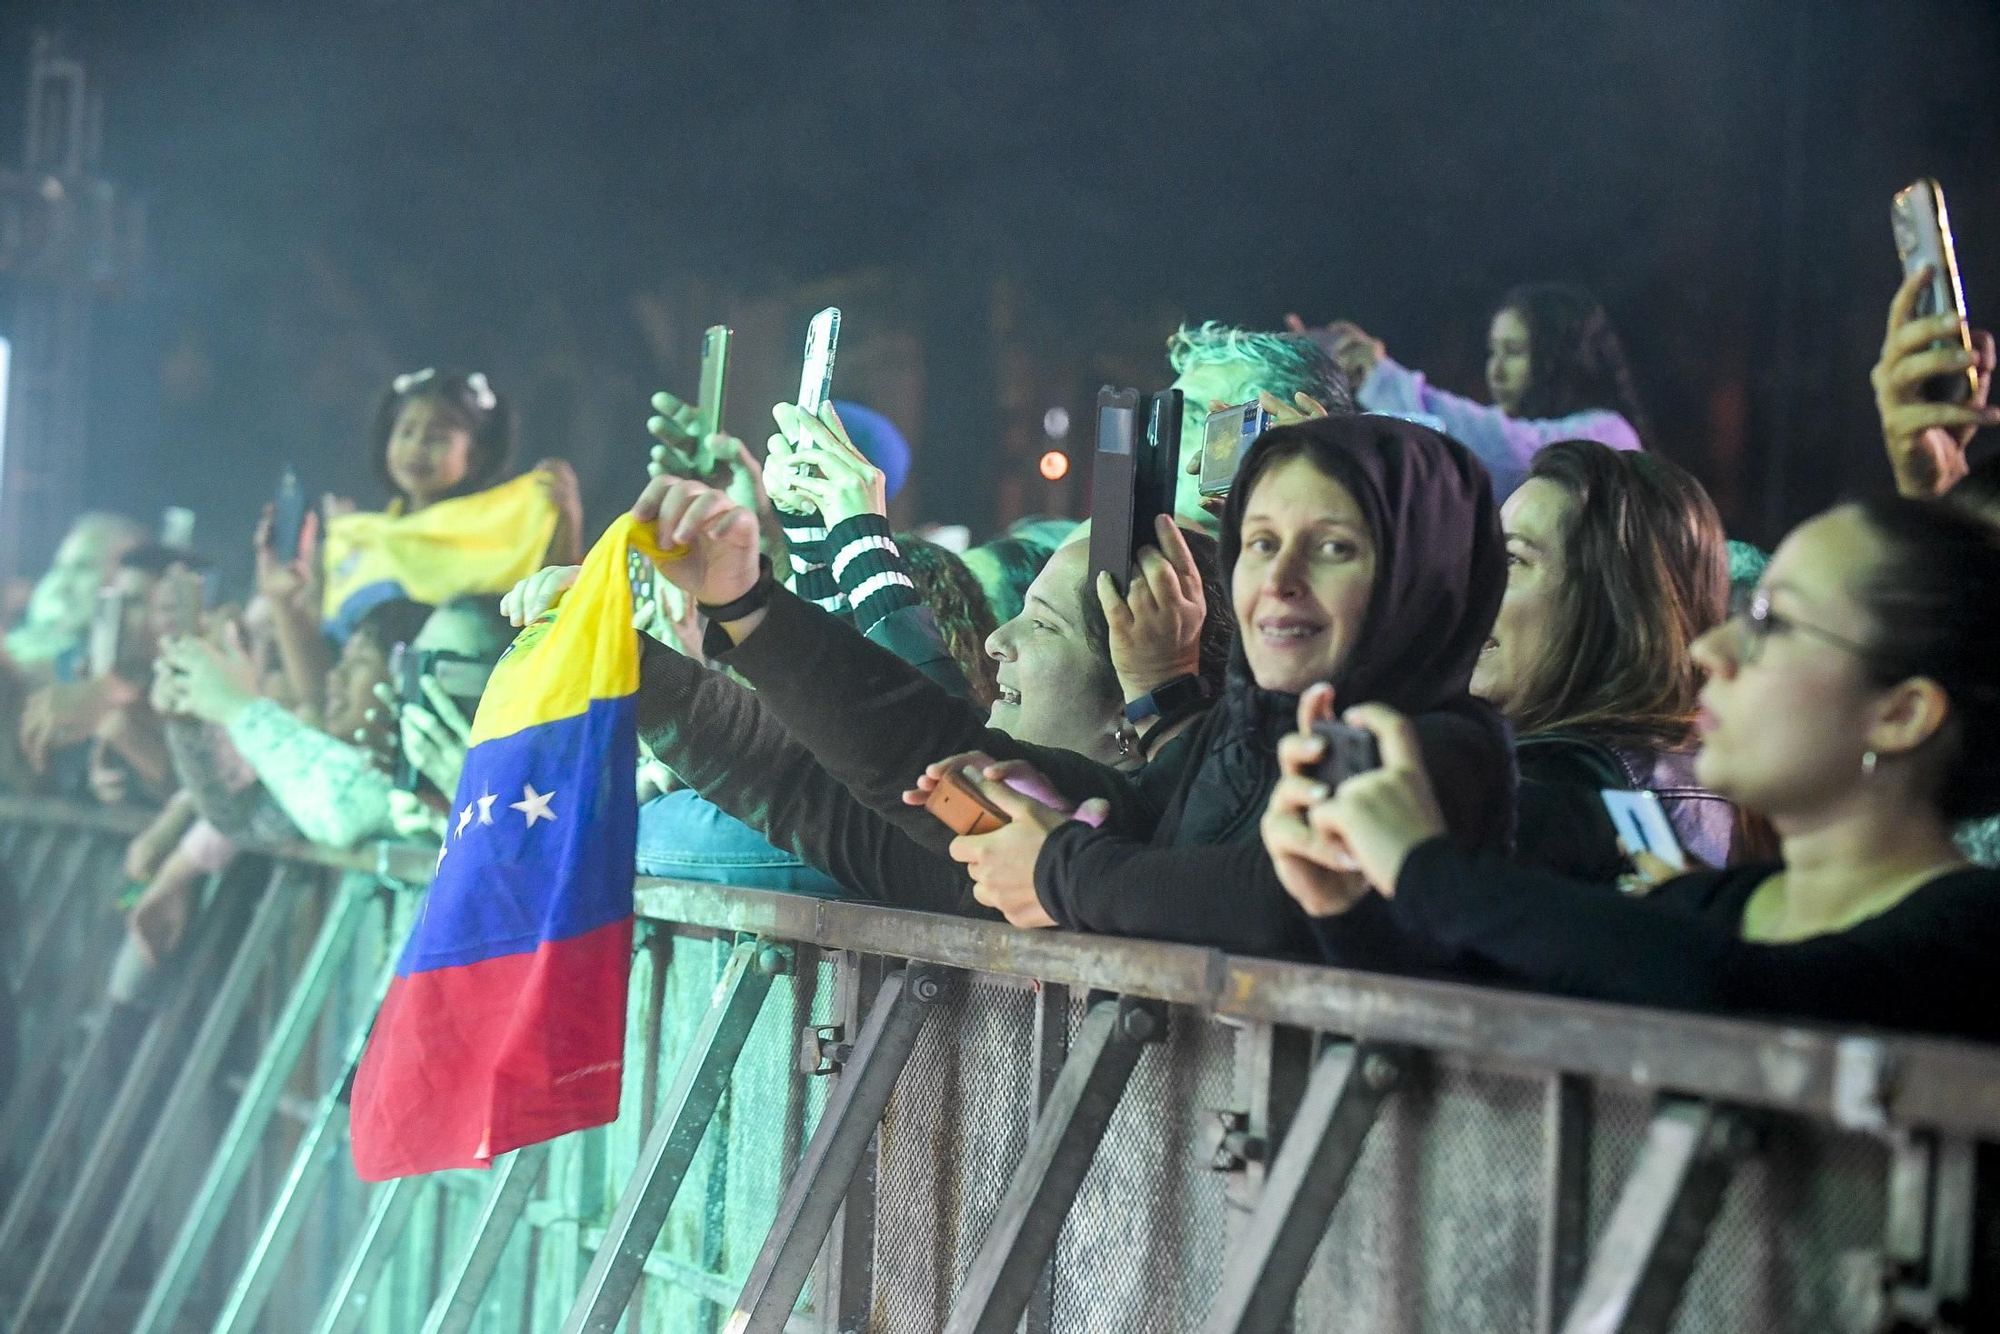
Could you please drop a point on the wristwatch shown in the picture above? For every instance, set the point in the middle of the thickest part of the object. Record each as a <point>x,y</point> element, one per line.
<point>1178,693</point>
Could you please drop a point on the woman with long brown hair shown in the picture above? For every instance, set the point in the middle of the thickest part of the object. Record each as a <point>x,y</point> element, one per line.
<point>1616,564</point>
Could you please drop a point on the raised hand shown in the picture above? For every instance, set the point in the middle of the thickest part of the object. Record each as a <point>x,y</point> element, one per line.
<point>1316,869</point>
<point>1155,625</point>
<point>1926,440</point>
<point>720,536</point>
<point>682,450</point>
<point>1381,815</point>
<point>820,466</point>
<point>527,600</point>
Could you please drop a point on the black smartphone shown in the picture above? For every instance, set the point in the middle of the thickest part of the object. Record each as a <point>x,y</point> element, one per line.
<point>462,678</point>
<point>288,517</point>
<point>1349,751</point>
<point>714,382</point>
<point>1923,237</point>
<point>1132,478</point>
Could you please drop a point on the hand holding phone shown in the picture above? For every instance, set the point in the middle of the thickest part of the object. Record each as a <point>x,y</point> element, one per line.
<point>1643,826</point>
<point>961,807</point>
<point>1922,227</point>
<point>1133,478</point>
<point>1350,750</point>
<point>1225,439</point>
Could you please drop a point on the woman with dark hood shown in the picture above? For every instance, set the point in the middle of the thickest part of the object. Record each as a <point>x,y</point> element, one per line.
<point>1365,551</point>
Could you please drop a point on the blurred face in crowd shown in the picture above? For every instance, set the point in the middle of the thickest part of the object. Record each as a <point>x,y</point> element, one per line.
<point>1507,373</point>
<point>1056,688</point>
<point>1229,383</point>
<point>1784,719</point>
<point>1534,518</point>
<point>66,597</point>
<point>350,688</point>
<point>430,451</point>
<point>1302,582</point>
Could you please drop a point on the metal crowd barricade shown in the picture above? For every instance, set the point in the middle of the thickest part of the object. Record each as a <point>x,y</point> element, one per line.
<point>845,1118</point>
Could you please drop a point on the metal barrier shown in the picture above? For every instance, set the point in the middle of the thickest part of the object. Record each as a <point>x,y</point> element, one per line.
<point>845,1118</point>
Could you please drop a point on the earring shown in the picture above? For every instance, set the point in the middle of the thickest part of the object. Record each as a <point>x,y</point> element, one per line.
<point>1868,764</point>
<point>1126,739</point>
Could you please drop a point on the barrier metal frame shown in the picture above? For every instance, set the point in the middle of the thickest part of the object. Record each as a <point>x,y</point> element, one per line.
<point>1289,1147</point>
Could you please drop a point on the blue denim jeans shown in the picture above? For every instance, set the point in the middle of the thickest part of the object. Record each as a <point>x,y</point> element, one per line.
<point>685,837</point>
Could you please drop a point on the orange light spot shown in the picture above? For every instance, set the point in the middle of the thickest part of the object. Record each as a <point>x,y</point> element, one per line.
<point>1055,465</point>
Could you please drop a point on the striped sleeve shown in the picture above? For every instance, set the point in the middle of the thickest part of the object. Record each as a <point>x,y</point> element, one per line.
<point>868,566</point>
<point>812,577</point>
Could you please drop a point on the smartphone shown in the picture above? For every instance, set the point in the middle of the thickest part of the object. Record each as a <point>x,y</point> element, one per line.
<point>959,805</point>
<point>1225,439</point>
<point>715,380</point>
<point>1923,237</point>
<point>288,517</point>
<point>816,376</point>
<point>1349,751</point>
<point>189,594</point>
<point>1642,822</point>
<point>639,573</point>
<point>462,678</point>
<point>1132,479</point>
<point>107,630</point>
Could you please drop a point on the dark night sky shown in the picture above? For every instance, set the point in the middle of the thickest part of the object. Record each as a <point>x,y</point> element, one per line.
<point>337,191</point>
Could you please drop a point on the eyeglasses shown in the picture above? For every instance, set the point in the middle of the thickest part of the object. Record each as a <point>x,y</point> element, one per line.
<point>1760,623</point>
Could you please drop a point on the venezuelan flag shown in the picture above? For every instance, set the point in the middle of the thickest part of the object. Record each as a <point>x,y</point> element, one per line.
<point>482,543</point>
<point>505,1024</point>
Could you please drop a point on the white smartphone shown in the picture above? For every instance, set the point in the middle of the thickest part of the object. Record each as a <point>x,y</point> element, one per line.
<point>1923,239</point>
<point>816,376</point>
<point>1642,822</point>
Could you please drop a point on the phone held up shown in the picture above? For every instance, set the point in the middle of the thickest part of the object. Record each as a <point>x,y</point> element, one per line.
<point>1225,439</point>
<point>816,372</point>
<point>714,382</point>
<point>288,517</point>
<point>107,631</point>
<point>1132,478</point>
<point>1923,238</point>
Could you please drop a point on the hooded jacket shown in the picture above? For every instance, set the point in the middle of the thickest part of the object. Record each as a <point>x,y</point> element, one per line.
<point>1200,873</point>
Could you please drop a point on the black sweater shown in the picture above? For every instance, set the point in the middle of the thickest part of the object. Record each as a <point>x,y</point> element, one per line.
<point>1930,963</point>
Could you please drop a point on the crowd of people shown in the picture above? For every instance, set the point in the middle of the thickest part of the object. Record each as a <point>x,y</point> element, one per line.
<point>1516,602</point>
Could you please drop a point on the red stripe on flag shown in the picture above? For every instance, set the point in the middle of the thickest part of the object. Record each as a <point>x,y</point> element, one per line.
<point>468,1063</point>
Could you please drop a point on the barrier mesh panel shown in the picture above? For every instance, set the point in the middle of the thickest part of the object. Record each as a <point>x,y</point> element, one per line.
<point>1439,1225</point>
<point>1143,1247</point>
<point>1794,1247</point>
<point>949,1140</point>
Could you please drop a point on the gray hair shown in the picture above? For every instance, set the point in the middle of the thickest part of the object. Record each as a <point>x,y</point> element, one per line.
<point>1288,363</point>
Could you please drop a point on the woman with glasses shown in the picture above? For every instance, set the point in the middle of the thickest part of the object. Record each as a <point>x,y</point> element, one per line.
<point>1855,703</point>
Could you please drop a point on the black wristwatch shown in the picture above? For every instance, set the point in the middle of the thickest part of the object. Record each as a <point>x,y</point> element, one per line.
<point>1179,693</point>
<point>754,600</point>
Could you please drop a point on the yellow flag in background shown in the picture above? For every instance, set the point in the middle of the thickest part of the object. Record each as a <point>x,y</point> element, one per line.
<point>482,543</point>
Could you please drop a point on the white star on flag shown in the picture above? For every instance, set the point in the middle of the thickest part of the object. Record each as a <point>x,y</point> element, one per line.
<point>534,805</point>
<point>464,819</point>
<point>486,808</point>
<point>442,849</point>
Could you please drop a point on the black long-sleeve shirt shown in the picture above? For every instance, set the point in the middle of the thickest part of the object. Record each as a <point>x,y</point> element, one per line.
<point>1930,963</point>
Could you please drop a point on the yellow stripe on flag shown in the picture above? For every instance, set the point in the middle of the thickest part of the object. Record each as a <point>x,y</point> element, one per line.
<point>560,663</point>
